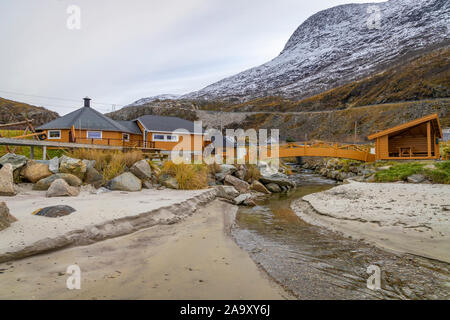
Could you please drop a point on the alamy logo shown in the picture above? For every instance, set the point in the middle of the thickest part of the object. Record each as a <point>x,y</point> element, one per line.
<point>374,20</point>
<point>374,281</point>
<point>74,281</point>
<point>74,19</point>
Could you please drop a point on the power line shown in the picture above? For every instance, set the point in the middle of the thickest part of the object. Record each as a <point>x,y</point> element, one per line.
<point>54,98</point>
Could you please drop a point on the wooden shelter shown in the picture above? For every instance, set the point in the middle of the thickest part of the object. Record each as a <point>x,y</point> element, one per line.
<point>417,139</point>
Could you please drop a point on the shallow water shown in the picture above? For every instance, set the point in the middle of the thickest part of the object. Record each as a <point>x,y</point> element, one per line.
<point>315,263</point>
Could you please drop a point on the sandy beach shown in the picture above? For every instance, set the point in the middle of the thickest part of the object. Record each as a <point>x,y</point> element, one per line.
<point>411,218</point>
<point>192,259</point>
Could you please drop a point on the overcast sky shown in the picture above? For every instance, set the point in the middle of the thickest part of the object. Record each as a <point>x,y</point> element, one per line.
<point>130,49</point>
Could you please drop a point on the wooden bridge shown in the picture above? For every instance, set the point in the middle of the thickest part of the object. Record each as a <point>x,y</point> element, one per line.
<point>324,149</point>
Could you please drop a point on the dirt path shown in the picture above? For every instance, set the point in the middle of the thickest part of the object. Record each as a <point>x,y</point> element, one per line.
<point>193,259</point>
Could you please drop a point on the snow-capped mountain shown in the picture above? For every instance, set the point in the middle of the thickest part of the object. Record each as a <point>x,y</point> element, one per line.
<point>339,45</point>
<point>161,97</point>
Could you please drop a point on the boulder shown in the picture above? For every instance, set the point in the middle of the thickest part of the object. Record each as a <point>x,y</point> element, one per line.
<point>93,177</point>
<point>125,182</point>
<point>54,211</point>
<point>278,178</point>
<point>430,167</point>
<point>17,161</point>
<point>249,203</point>
<point>53,165</point>
<point>45,183</point>
<point>239,184</point>
<point>168,181</point>
<point>273,187</point>
<point>225,169</point>
<point>227,192</point>
<point>258,186</point>
<point>142,170</point>
<point>73,166</point>
<point>7,180</point>
<point>416,178</point>
<point>147,184</point>
<point>241,198</point>
<point>60,188</point>
<point>89,163</point>
<point>5,217</point>
<point>34,171</point>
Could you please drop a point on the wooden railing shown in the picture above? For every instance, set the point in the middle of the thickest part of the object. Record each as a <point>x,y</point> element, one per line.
<point>116,142</point>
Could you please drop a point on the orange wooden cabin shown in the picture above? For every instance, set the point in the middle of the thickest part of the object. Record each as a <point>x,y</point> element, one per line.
<point>415,140</point>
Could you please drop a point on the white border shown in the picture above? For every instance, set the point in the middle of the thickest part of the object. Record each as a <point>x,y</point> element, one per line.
<point>50,138</point>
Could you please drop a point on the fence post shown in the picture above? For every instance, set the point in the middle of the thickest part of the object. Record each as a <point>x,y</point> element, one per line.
<point>44,152</point>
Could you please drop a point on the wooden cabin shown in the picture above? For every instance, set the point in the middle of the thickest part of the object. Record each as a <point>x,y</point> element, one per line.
<point>417,139</point>
<point>88,126</point>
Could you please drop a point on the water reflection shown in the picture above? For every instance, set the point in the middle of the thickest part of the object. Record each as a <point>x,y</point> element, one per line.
<point>315,263</point>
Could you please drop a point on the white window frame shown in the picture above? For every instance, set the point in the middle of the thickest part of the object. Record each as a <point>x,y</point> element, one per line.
<point>165,137</point>
<point>101,135</point>
<point>127,135</point>
<point>53,138</point>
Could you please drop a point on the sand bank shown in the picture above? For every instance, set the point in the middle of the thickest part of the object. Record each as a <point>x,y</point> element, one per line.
<point>97,217</point>
<point>192,259</point>
<point>412,218</point>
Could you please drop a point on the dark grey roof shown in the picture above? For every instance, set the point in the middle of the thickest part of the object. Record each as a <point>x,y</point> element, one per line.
<point>86,118</point>
<point>130,125</point>
<point>168,124</point>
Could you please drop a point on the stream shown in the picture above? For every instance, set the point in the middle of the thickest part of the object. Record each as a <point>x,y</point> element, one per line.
<point>314,263</point>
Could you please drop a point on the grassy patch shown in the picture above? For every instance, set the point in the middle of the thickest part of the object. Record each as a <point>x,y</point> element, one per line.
<point>401,171</point>
<point>188,176</point>
<point>109,163</point>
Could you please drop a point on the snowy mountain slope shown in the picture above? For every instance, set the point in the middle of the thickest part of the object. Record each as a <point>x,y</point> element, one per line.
<point>336,46</point>
<point>161,97</point>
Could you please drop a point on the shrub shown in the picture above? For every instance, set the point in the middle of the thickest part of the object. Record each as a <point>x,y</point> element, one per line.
<point>401,171</point>
<point>252,173</point>
<point>188,176</point>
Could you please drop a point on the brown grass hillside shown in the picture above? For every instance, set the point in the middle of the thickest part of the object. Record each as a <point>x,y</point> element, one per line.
<point>13,111</point>
<point>423,77</point>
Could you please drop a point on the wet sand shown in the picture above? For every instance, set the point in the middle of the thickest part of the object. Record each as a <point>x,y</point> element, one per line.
<point>193,259</point>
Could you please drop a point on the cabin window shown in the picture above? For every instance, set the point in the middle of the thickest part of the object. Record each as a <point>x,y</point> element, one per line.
<point>126,137</point>
<point>54,134</point>
<point>165,137</point>
<point>94,134</point>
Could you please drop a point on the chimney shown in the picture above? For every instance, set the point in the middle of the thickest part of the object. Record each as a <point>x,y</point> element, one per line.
<point>87,102</point>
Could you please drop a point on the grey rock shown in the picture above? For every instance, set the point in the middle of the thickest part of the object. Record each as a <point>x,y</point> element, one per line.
<point>225,169</point>
<point>17,161</point>
<point>278,178</point>
<point>273,187</point>
<point>168,181</point>
<point>416,178</point>
<point>5,217</point>
<point>241,198</point>
<point>89,163</point>
<point>239,184</point>
<point>93,177</point>
<point>53,165</point>
<point>227,192</point>
<point>34,171</point>
<point>258,186</point>
<point>142,170</point>
<point>60,188</point>
<point>7,180</point>
<point>45,183</point>
<point>54,211</point>
<point>125,182</point>
<point>73,166</point>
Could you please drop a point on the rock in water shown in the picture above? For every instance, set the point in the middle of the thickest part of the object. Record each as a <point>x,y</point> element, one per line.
<point>258,186</point>
<point>60,188</point>
<point>17,161</point>
<point>239,184</point>
<point>241,198</point>
<point>5,217</point>
<point>168,181</point>
<point>278,178</point>
<point>125,182</point>
<point>73,166</point>
<point>34,171</point>
<point>54,211</point>
<point>7,180</point>
<point>94,177</point>
<point>273,187</point>
<point>142,170</point>
<point>45,183</point>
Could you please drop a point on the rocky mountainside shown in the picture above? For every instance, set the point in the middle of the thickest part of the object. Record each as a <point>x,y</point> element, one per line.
<point>13,111</point>
<point>161,97</point>
<point>336,46</point>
